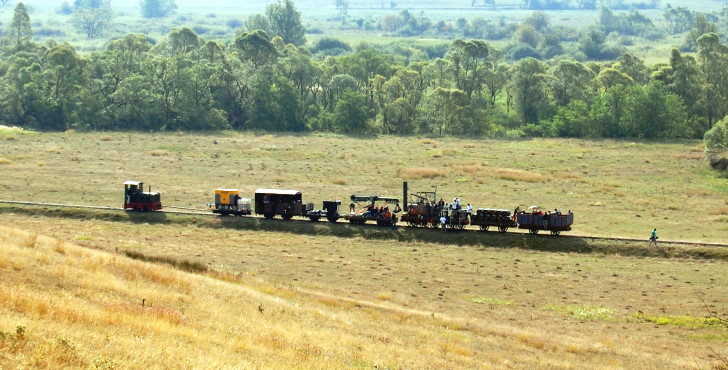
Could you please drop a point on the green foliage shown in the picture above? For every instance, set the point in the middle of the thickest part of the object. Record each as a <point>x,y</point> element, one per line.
<point>19,30</point>
<point>716,145</point>
<point>285,21</point>
<point>350,114</point>
<point>157,8</point>
<point>92,20</point>
<point>585,312</point>
<point>683,321</point>
<point>492,301</point>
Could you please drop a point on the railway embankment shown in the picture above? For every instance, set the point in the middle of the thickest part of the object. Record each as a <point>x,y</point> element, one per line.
<point>477,240</point>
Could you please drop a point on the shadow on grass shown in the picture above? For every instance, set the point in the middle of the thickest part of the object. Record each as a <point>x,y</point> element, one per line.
<point>465,238</point>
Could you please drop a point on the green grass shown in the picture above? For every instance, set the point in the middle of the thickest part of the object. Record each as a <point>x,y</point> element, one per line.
<point>585,312</point>
<point>492,301</point>
<point>685,321</point>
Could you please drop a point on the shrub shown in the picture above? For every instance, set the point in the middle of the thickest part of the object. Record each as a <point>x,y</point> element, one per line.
<point>716,145</point>
<point>521,51</point>
<point>201,30</point>
<point>234,23</point>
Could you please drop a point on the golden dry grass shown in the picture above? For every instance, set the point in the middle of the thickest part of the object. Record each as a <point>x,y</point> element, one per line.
<point>518,175</point>
<point>159,153</point>
<point>277,299</point>
<point>418,173</point>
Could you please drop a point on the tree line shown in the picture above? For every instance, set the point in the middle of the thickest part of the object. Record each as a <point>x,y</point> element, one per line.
<point>262,82</point>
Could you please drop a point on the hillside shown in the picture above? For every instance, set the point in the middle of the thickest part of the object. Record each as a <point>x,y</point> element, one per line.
<point>66,306</point>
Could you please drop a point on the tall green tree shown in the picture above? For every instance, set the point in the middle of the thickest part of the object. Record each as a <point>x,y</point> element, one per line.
<point>157,8</point>
<point>713,59</point>
<point>469,60</point>
<point>571,81</point>
<point>351,114</point>
<point>94,19</point>
<point>255,47</point>
<point>528,88</point>
<point>19,31</point>
<point>285,21</point>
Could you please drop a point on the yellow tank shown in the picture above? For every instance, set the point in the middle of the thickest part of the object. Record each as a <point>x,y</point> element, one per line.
<point>226,196</point>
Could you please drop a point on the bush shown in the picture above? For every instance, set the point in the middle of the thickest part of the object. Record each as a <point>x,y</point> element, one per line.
<point>329,46</point>
<point>201,30</point>
<point>521,51</point>
<point>234,23</point>
<point>716,145</point>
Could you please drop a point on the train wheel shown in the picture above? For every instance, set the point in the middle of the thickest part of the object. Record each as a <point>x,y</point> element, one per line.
<point>269,215</point>
<point>332,219</point>
<point>555,232</point>
<point>286,216</point>
<point>503,229</point>
<point>314,218</point>
<point>484,227</point>
<point>533,231</point>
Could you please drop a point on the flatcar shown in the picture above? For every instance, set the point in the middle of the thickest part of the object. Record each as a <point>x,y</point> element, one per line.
<point>136,199</point>
<point>329,212</point>
<point>229,202</point>
<point>376,209</point>
<point>502,219</point>
<point>536,221</point>
<point>286,203</point>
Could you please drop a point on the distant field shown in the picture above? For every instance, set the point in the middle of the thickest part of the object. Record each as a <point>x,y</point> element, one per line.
<point>210,20</point>
<point>615,188</point>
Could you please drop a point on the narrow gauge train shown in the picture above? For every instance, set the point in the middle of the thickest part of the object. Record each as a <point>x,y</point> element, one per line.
<point>422,210</point>
<point>136,199</point>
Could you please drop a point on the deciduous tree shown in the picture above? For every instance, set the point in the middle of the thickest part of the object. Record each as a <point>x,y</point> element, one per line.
<point>157,8</point>
<point>93,19</point>
<point>285,21</point>
<point>19,31</point>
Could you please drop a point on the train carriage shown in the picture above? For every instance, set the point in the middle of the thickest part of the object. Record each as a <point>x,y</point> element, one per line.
<point>286,203</point>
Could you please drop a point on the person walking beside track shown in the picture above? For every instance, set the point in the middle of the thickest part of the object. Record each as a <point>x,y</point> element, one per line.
<point>653,237</point>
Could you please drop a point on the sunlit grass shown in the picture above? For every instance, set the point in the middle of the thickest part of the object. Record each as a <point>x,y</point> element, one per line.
<point>518,175</point>
<point>418,173</point>
<point>585,312</point>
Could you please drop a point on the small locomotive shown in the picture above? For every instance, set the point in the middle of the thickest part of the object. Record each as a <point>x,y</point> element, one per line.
<point>136,199</point>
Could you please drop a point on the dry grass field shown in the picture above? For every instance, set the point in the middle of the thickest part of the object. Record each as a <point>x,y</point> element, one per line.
<point>276,300</point>
<point>272,294</point>
<point>615,188</point>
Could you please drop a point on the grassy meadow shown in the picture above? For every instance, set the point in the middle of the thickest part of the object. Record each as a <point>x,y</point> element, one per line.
<point>262,293</point>
<point>615,188</point>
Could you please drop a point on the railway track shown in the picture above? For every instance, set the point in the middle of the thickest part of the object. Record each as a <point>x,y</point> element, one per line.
<point>198,212</point>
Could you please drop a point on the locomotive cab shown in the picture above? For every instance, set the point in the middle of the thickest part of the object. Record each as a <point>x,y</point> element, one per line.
<point>135,198</point>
